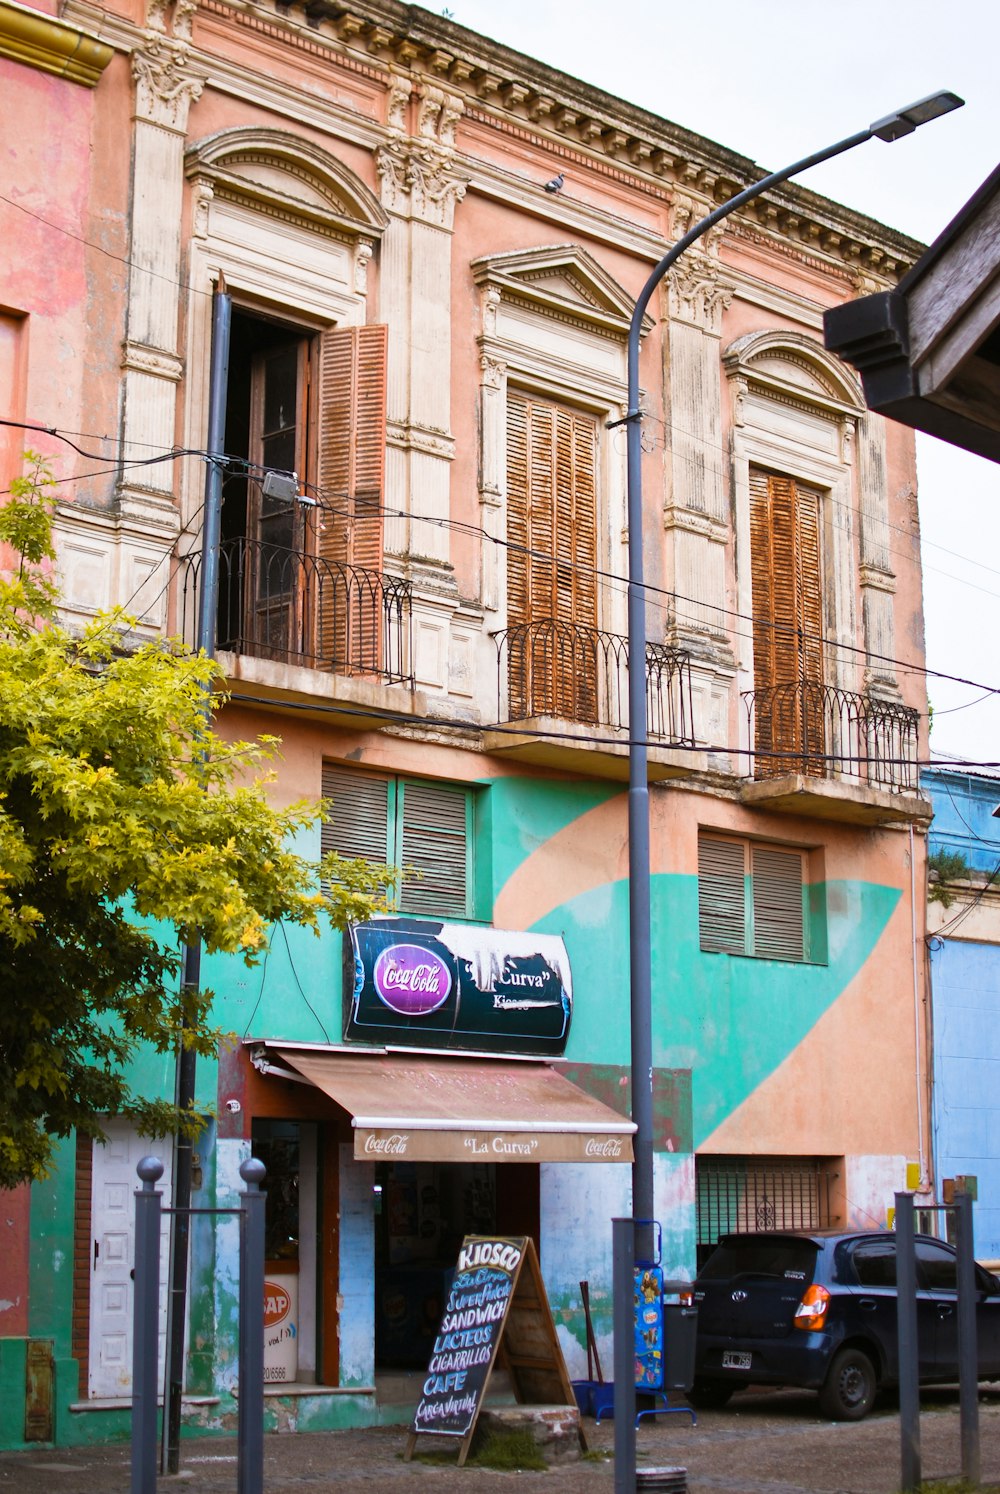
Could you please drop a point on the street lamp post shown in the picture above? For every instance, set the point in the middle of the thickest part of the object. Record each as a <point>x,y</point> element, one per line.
<point>891,127</point>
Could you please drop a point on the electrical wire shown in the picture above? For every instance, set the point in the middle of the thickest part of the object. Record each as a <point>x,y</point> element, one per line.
<point>620,738</point>
<point>653,593</point>
<point>657,597</point>
<point>295,977</point>
<point>969,909</point>
<point>121,259</point>
<point>674,429</point>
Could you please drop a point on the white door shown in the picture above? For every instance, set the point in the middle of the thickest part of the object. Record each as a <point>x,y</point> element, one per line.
<point>112,1255</point>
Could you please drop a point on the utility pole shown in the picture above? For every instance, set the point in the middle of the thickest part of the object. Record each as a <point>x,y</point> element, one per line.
<point>184,1089</point>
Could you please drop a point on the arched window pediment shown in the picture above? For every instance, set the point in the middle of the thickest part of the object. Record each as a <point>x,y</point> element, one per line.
<point>791,366</point>
<point>562,281</point>
<point>284,176</point>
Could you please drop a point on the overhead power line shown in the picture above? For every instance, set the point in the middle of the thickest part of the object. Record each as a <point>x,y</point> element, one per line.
<point>668,602</point>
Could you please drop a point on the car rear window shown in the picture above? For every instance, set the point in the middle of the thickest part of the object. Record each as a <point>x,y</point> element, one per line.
<point>793,1260</point>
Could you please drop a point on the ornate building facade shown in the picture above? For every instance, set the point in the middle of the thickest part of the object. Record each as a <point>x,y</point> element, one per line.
<point>422,589</point>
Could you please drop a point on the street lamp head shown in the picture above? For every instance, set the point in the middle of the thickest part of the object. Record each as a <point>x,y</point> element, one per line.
<point>905,121</point>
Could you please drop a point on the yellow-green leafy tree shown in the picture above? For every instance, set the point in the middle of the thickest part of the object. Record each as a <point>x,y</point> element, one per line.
<point>122,816</point>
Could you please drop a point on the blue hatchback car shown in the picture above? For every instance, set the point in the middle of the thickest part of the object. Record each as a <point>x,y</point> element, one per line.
<point>817,1310</point>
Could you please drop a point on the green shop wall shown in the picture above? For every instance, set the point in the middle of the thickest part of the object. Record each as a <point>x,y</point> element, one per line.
<point>731,1020</point>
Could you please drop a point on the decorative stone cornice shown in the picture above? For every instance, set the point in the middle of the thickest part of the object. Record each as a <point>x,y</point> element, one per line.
<point>51,46</point>
<point>403,434</point>
<point>693,521</point>
<point>143,359</point>
<point>165,89</point>
<point>165,84</point>
<point>419,181</point>
<point>698,293</point>
<point>877,578</point>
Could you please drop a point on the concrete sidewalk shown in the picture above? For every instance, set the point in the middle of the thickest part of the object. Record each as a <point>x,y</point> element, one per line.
<point>764,1443</point>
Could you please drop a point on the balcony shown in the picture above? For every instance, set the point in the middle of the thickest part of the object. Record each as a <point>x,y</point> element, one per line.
<point>286,615</point>
<point>566,685</point>
<point>833,754</point>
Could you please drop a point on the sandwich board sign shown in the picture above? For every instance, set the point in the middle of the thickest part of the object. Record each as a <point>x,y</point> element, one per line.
<point>497,1311</point>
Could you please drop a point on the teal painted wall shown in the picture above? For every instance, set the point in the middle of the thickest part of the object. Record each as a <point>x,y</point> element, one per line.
<point>729,1020</point>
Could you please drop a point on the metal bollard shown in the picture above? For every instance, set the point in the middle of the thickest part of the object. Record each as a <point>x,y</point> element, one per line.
<point>623,1255</point>
<point>968,1356</point>
<point>145,1310</point>
<point>909,1371</point>
<point>250,1426</point>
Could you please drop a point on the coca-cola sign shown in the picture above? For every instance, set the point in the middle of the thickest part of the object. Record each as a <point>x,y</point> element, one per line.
<point>420,983</point>
<point>411,979</point>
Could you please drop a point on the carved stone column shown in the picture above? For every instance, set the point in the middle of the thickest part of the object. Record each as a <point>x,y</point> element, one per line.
<point>420,187</point>
<point>878,581</point>
<point>493,475</point>
<point>165,87</point>
<point>695,511</point>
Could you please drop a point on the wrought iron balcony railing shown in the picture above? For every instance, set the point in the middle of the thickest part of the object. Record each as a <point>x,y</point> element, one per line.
<point>825,732</point>
<point>305,609</point>
<point>576,673</point>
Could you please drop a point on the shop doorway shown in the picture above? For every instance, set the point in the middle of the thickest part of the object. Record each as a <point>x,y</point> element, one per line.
<point>423,1210</point>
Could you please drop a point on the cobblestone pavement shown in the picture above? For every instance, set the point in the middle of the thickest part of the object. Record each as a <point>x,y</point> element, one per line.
<point>763,1443</point>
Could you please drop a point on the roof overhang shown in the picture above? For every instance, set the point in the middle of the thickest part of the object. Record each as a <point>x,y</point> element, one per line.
<point>929,351</point>
<point>436,1108</point>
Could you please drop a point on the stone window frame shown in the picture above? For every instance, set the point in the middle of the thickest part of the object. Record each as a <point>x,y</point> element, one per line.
<point>772,414</point>
<point>279,182</point>
<point>520,288</point>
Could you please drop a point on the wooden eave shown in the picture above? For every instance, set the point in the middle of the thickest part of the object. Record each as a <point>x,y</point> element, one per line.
<point>929,351</point>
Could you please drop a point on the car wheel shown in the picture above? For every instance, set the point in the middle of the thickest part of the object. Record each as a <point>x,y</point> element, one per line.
<point>708,1395</point>
<point>850,1387</point>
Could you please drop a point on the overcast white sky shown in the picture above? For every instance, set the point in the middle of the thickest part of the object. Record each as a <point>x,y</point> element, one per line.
<point>776,80</point>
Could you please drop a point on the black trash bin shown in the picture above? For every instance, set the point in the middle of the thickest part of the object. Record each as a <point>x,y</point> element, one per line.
<point>680,1331</point>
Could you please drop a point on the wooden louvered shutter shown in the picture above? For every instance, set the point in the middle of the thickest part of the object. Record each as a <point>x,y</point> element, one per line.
<point>551,559</point>
<point>434,849</point>
<point>722,895</point>
<point>357,815</point>
<point>351,472</point>
<point>519,650</point>
<point>786,576</point>
<point>778,922</point>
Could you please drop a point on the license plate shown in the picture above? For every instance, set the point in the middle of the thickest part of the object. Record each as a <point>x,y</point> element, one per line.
<point>731,1359</point>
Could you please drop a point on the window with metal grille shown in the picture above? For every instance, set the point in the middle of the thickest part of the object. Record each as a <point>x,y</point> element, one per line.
<point>743,1195</point>
<point>422,826</point>
<point>751,899</point>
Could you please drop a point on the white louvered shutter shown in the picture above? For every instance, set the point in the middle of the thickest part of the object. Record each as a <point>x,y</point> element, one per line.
<point>434,849</point>
<point>722,895</point>
<point>357,808</point>
<point>779,926</point>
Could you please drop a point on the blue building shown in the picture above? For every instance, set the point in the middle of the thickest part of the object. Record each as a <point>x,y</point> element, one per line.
<point>963,942</point>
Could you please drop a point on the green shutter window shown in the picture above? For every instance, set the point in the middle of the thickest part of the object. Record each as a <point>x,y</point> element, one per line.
<point>421,826</point>
<point>434,845</point>
<point>778,924</point>
<point>750,899</point>
<point>357,808</point>
<point>721,895</point>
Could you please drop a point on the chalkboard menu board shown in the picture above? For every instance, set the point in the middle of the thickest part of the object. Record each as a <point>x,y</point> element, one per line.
<point>497,1297</point>
<point>467,1340</point>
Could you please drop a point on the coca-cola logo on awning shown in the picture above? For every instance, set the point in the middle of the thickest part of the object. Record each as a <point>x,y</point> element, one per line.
<point>411,980</point>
